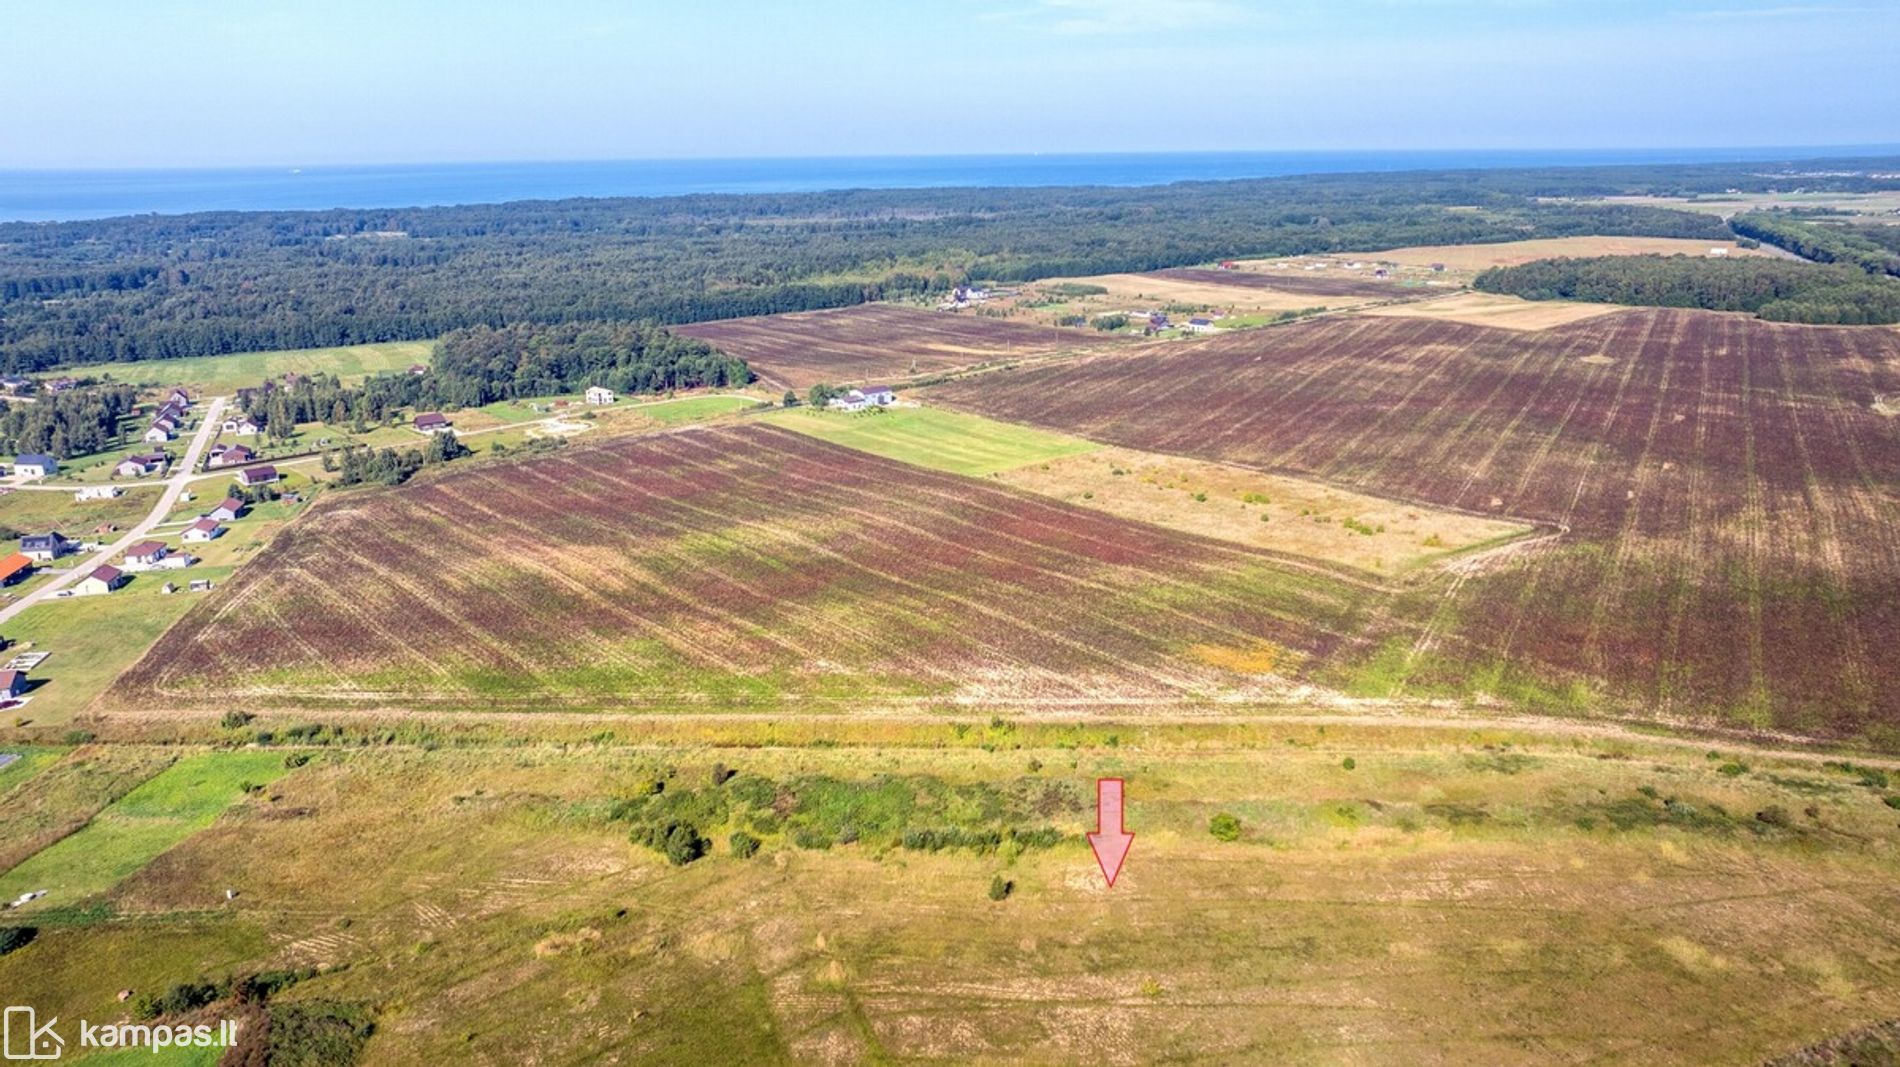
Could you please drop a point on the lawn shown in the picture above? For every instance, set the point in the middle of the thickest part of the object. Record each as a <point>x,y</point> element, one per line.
<point>690,409</point>
<point>91,640</point>
<point>31,762</point>
<point>164,810</point>
<point>217,375</point>
<point>929,437</point>
<point>30,510</point>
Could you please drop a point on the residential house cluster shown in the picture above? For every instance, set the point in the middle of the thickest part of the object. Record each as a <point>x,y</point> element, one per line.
<point>169,419</point>
<point>142,465</point>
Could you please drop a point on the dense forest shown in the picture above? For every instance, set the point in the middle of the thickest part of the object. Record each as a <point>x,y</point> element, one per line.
<point>156,287</point>
<point>480,364</point>
<point>68,424</point>
<point>1777,289</point>
<point>1874,249</point>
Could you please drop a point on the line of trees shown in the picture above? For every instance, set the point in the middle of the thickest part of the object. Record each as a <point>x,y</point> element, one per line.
<point>1780,290</point>
<point>480,365</point>
<point>1823,242</point>
<point>75,423</point>
<point>159,287</point>
<point>359,465</point>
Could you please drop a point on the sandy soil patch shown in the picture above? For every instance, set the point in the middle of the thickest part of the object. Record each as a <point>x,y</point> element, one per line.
<point>1496,309</point>
<point>1269,511</point>
<point>1512,253</point>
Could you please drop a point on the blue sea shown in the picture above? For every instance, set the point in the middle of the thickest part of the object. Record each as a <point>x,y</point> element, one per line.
<point>49,195</point>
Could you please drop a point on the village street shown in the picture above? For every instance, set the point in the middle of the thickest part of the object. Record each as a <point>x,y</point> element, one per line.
<point>174,488</point>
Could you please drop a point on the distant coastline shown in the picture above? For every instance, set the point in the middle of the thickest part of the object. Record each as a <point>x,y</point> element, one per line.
<point>49,195</point>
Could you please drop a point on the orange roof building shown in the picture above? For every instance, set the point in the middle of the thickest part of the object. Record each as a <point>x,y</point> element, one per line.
<point>14,567</point>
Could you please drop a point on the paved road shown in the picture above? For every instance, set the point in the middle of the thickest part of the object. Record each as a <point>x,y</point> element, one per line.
<point>174,488</point>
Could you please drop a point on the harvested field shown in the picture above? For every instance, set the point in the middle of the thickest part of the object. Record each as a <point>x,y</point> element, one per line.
<point>875,342</point>
<point>1272,512</point>
<point>1729,491</point>
<point>744,567</point>
<point>1360,284</point>
<point>1511,253</point>
<point>1146,292</point>
<point>1498,310</point>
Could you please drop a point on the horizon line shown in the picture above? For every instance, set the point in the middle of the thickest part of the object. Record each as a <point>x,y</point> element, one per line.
<point>1822,150</point>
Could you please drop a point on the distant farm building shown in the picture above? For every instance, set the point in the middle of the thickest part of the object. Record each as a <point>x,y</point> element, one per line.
<point>15,568</point>
<point>252,476</point>
<point>600,395</point>
<point>871,396</point>
<point>46,547</point>
<point>205,529</point>
<point>36,465</point>
<point>432,422</point>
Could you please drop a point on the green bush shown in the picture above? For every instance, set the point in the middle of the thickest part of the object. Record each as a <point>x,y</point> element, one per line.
<point>1733,769</point>
<point>1224,827</point>
<point>681,843</point>
<point>1892,800</point>
<point>744,845</point>
<point>235,719</point>
<point>1001,887</point>
<point>16,937</point>
<point>1348,763</point>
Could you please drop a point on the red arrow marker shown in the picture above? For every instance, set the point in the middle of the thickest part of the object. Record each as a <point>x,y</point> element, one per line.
<point>1110,841</point>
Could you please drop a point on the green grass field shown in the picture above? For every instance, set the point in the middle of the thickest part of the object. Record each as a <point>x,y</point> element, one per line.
<point>31,762</point>
<point>690,409</point>
<point>928,437</point>
<point>29,510</point>
<point>215,375</point>
<point>92,639</point>
<point>181,800</point>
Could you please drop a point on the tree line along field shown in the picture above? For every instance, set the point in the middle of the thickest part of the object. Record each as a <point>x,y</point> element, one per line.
<point>732,568</point>
<point>1727,488</point>
<point>873,343</point>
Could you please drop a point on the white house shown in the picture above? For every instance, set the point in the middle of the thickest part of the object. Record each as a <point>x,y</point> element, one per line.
<point>205,529</point>
<point>141,465</point>
<point>35,465</point>
<point>871,396</point>
<point>1200,325</point>
<point>242,426</point>
<point>102,580</point>
<point>145,553</point>
<point>157,435</point>
<point>599,394</point>
<point>229,509</point>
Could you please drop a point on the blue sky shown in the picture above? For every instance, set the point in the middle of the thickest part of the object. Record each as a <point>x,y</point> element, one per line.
<point>233,82</point>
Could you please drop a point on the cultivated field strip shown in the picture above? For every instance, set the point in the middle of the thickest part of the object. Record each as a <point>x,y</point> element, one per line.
<point>871,342</point>
<point>745,567</point>
<point>1729,493</point>
<point>1291,281</point>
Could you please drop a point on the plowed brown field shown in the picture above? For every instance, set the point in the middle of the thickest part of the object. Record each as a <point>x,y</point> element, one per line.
<point>745,568</point>
<point>1731,495</point>
<point>872,343</point>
